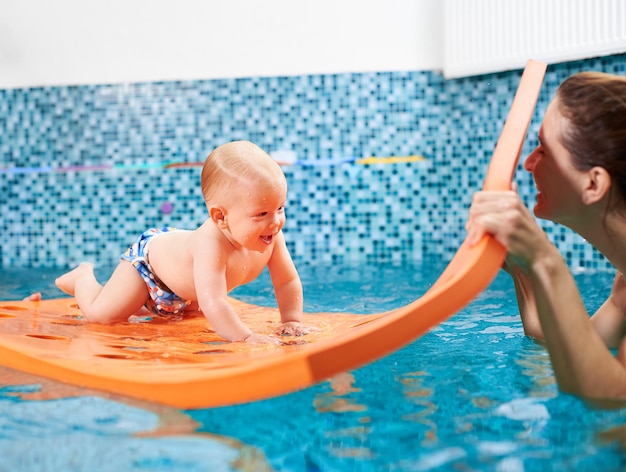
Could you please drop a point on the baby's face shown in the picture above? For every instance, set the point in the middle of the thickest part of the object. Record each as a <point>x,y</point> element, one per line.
<point>256,213</point>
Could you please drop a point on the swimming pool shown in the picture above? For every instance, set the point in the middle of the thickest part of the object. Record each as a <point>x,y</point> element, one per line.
<point>472,394</point>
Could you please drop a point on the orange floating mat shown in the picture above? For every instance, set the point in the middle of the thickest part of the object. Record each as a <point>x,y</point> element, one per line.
<point>184,364</point>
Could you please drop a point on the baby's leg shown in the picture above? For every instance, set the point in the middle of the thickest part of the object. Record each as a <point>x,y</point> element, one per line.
<point>67,281</point>
<point>124,293</point>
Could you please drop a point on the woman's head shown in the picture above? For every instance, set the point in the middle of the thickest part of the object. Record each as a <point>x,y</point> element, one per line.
<point>233,165</point>
<point>593,105</point>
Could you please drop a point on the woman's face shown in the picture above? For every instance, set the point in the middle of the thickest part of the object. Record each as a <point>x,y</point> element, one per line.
<point>559,184</point>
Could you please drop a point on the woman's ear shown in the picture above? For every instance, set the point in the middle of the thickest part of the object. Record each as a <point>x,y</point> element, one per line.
<point>597,185</point>
<point>218,215</point>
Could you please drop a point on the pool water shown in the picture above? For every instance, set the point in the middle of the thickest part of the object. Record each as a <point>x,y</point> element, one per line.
<point>473,394</point>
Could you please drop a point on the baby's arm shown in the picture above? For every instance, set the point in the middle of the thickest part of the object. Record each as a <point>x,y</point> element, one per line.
<point>211,291</point>
<point>225,322</point>
<point>288,290</point>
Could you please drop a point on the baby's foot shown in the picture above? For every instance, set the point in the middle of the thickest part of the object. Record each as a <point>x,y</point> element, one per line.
<point>67,281</point>
<point>33,297</point>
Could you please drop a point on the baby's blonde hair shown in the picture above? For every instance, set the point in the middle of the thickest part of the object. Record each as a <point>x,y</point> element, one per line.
<point>230,164</point>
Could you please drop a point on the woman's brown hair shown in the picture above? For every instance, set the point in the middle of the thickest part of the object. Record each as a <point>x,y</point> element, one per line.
<point>594,105</point>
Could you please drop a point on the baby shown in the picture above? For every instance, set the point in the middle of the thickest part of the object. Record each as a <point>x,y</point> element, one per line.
<point>170,270</point>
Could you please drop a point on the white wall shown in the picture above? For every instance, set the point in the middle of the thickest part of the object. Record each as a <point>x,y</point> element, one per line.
<point>484,36</point>
<point>67,42</point>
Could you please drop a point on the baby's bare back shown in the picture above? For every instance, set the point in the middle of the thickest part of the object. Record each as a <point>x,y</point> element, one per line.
<point>172,261</point>
<point>171,256</point>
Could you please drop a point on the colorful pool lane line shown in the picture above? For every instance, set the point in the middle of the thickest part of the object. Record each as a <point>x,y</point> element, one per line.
<point>98,168</point>
<point>179,165</point>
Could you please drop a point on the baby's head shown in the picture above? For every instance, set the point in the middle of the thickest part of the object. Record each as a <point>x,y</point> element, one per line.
<point>233,167</point>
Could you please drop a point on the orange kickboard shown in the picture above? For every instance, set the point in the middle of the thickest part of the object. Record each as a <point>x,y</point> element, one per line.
<point>183,364</point>
<point>55,330</point>
<point>146,350</point>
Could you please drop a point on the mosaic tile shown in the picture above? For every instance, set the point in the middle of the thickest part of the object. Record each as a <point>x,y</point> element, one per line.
<point>339,212</point>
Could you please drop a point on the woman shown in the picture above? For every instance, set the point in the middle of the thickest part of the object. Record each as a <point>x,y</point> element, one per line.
<point>579,170</point>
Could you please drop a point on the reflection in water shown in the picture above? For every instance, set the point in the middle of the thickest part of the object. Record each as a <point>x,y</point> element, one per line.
<point>336,401</point>
<point>535,363</point>
<point>348,441</point>
<point>614,434</point>
<point>92,409</point>
<point>419,395</point>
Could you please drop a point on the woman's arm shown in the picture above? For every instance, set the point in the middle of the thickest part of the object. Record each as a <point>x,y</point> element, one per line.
<point>609,320</point>
<point>582,363</point>
<point>526,304</point>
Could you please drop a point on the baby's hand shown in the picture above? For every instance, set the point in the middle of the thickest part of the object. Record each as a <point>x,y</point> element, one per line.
<point>255,338</point>
<point>294,328</point>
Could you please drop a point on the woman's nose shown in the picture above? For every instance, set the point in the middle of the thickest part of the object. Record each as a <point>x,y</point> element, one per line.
<point>531,160</point>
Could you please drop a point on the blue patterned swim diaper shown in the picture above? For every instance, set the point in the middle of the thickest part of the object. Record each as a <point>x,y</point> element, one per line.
<point>162,300</point>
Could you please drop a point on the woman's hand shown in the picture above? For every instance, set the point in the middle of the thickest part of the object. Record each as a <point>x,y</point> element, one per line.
<point>504,215</point>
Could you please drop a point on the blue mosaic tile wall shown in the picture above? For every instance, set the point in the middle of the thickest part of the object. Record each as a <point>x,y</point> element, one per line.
<point>52,216</point>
